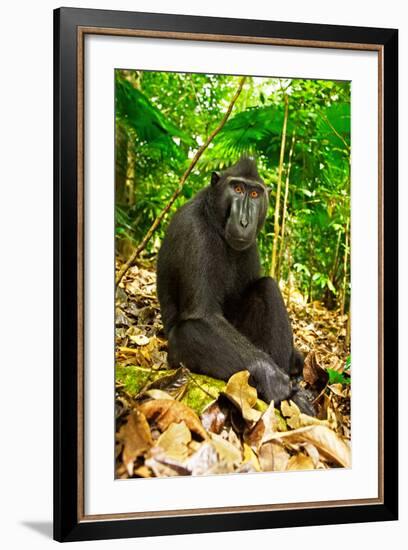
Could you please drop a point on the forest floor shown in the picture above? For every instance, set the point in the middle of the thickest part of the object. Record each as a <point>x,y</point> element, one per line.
<point>173,422</point>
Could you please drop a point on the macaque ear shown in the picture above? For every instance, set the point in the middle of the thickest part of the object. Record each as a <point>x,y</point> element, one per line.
<point>215,176</point>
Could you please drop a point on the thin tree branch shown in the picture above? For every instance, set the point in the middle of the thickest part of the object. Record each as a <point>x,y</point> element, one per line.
<point>345,274</point>
<point>341,138</point>
<point>278,189</point>
<point>191,377</point>
<point>285,206</point>
<point>179,188</point>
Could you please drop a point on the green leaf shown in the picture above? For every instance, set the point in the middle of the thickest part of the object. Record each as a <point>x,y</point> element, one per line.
<point>336,377</point>
<point>135,110</point>
<point>331,286</point>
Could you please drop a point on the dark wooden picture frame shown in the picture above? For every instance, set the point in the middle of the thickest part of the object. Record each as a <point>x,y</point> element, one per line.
<point>70,27</point>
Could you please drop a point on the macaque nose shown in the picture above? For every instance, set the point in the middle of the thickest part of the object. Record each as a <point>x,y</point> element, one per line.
<point>244,222</point>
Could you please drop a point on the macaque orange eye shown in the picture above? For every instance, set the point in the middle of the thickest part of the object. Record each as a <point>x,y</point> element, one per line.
<point>254,194</point>
<point>238,189</point>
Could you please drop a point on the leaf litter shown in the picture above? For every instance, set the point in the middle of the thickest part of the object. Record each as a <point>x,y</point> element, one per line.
<point>171,422</point>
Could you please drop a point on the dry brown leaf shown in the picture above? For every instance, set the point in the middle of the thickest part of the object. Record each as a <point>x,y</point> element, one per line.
<point>227,452</point>
<point>136,437</point>
<point>202,460</point>
<point>142,471</point>
<point>243,395</point>
<point>292,413</point>
<point>234,440</point>
<point>280,457</point>
<point>174,384</point>
<point>173,442</point>
<point>268,424</point>
<point>194,445</point>
<point>316,330</point>
<point>250,456</point>
<point>265,457</point>
<point>254,436</point>
<point>313,373</point>
<point>270,421</point>
<point>296,419</point>
<point>313,453</point>
<point>328,443</point>
<point>166,411</point>
<point>164,466</point>
<point>214,417</point>
<point>121,472</point>
<point>337,389</point>
<point>139,339</point>
<point>157,394</point>
<point>273,457</point>
<point>300,462</point>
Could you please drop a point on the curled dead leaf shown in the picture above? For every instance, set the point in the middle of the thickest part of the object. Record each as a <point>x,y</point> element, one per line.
<point>173,442</point>
<point>273,457</point>
<point>313,454</point>
<point>326,441</point>
<point>296,419</point>
<point>292,413</point>
<point>136,438</point>
<point>244,396</point>
<point>313,373</point>
<point>227,452</point>
<point>175,384</point>
<point>214,416</point>
<point>139,339</point>
<point>250,457</point>
<point>300,462</point>
<point>163,465</point>
<point>269,423</point>
<point>166,411</point>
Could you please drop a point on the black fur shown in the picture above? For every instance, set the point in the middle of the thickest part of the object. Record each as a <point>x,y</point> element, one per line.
<point>220,316</point>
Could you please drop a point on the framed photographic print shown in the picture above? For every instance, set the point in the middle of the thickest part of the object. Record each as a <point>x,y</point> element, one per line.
<point>225,274</point>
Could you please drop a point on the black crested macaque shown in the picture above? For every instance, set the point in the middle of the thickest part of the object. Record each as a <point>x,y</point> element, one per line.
<point>219,314</point>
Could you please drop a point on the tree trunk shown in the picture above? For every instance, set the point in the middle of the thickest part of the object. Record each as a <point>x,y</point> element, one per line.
<point>278,189</point>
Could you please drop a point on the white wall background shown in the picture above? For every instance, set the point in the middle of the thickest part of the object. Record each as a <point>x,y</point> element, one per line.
<point>26,271</point>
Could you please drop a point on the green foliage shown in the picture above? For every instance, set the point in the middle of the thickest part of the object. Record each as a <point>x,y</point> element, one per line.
<point>201,389</point>
<point>161,120</point>
<point>337,377</point>
<point>135,111</point>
